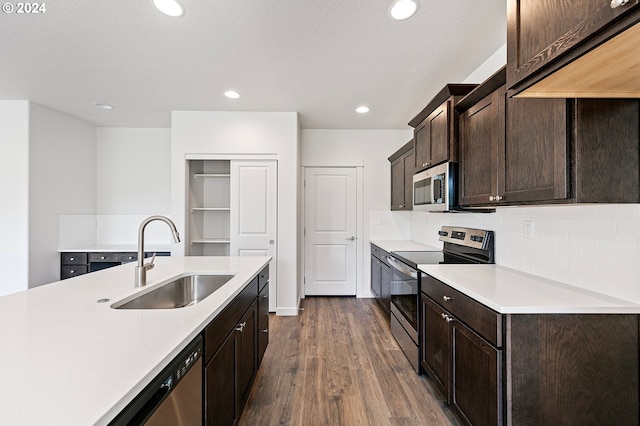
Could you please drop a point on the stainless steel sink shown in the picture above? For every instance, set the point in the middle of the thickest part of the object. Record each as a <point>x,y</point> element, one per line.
<point>180,293</point>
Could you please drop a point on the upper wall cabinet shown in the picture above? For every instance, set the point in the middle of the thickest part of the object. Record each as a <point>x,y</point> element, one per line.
<point>567,49</point>
<point>435,128</point>
<point>402,165</point>
<point>529,151</point>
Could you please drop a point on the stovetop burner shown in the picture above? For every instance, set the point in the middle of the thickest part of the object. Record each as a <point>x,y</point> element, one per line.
<point>461,245</point>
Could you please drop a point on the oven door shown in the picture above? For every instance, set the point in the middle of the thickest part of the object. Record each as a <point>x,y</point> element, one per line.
<point>404,292</point>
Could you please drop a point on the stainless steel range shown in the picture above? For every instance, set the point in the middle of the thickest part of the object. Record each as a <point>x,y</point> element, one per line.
<point>461,245</point>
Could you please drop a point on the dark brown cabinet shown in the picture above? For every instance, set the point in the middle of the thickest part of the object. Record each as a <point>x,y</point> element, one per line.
<point>464,366</point>
<point>528,369</point>
<point>402,166</point>
<point>570,49</point>
<point>381,278</point>
<point>527,151</point>
<point>435,128</point>
<point>78,263</point>
<point>234,347</point>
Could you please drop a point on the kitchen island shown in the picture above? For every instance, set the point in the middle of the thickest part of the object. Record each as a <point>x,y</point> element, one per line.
<point>68,358</point>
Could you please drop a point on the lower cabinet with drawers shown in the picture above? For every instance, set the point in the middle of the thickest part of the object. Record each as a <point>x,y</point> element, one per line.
<point>79,263</point>
<point>234,345</point>
<point>528,369</point>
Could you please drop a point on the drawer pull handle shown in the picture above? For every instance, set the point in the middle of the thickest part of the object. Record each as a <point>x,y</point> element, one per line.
<point>103,257</point>
<point>72,258</point>
<point>72,271</point>
<point>266,296</point>
<point>265,331</point>
<point>446,317</point>
<point>447,298</point>
<point>616,3</point>
<point>241,326</point>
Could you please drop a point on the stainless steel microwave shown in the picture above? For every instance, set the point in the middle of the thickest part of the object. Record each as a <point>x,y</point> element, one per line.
<point>434,189</point>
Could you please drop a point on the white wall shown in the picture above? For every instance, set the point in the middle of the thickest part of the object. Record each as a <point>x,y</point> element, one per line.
<point>596,247</point>
<point>133,171</point>
<point>250,133</point>
<point>62,180</point>
<point>370,148</point>
<point>14,191</point>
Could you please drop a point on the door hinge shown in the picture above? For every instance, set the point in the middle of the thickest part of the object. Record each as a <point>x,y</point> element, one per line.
<point>304,231</point>
<point>304,280</point>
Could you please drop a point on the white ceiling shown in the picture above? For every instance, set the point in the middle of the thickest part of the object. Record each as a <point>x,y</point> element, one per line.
<point>321,58</point>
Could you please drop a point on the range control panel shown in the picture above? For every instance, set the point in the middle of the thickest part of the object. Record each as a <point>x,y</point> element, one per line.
<point>469,237</point>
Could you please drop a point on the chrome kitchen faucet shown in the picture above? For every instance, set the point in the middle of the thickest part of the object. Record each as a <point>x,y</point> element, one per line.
<point>142,268</point>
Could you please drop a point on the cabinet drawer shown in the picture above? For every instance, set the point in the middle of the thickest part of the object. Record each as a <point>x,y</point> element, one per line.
<point>218,330</point>
<point>74,258</point>
<point>127,257</point>
<point>103,257</point>
<point>263,277</point>
<point>263,304</point>
<point>69,271</point>
<point>485,321</point>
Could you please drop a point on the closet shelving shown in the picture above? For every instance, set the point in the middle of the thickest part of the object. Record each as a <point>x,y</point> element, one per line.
<point>209,207</point>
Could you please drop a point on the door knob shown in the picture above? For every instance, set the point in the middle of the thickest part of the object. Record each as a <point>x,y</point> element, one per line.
<point>352,238</point>
<point>271,242</point>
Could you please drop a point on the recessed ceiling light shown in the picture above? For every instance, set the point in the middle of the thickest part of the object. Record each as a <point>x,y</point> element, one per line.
<point>171,8</point>
<point>403,9</point>
<point>362,109</point>
<point>103,105</point>
<point>232,94</point>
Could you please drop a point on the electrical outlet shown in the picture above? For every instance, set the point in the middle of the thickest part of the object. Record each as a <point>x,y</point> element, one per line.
<point>382,220</point>
<point>528,229</point>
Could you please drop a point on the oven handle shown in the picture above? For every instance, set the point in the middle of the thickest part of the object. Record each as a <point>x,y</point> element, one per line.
<point>396,264</point>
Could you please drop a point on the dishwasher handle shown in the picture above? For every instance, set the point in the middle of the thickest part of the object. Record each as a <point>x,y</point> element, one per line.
<point>399,266</point>
<point>153,402</point>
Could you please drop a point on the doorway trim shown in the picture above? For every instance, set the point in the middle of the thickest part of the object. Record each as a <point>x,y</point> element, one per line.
<point>359,166</point>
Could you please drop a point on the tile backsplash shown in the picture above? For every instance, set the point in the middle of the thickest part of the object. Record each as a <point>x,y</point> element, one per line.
<point>596,247</point>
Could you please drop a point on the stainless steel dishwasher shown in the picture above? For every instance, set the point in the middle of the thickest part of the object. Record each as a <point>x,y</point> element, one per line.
<point>174,397</point>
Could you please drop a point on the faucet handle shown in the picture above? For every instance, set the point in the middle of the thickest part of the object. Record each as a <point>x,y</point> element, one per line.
<point>150,265</point>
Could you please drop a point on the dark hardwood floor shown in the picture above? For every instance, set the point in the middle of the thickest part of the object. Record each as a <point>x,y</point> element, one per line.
<point>338,364</point>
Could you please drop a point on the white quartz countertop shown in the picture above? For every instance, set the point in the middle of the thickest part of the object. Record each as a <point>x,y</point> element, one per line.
<point>403,245</point>
<point>115,248</point>
<point>509,291</point>
<point>68,360</point>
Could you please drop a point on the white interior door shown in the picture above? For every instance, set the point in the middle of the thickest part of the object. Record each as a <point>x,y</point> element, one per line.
<point>330,231</point>
<point>254,213</point>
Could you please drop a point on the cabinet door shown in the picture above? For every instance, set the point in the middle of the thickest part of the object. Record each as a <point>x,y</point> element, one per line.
<point>544,34</point>
<point>532,158</point>
<point>435,352</point>
<point>408,160</point>
<point>220,385</point>
<point>375,277</point>
<point>475,377</point>
<point>397,184</point>
<point>385,287</point>
<point>432,138</point>
<point>481,131</point>
<point>246,354</point>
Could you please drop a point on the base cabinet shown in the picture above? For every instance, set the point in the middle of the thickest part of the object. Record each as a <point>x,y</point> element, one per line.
<point>381,278</point>
<point>529,369</point>
<point>233,352</point>
<point>464,366</point>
